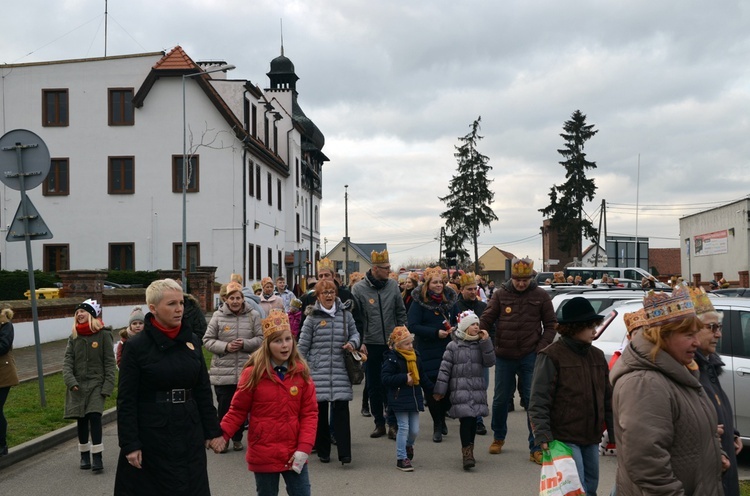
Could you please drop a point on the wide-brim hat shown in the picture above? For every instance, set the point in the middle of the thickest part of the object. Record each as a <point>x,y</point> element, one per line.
<point>578,309</point>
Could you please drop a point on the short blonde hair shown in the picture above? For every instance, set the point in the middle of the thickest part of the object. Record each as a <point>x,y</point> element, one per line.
<point>155,291</point>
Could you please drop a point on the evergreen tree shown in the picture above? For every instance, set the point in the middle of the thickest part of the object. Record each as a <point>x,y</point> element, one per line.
<point>565,210</point>
<point>470,196</point>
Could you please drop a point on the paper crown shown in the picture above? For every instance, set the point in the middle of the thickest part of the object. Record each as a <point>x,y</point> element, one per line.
<point>634,320</point>
<point>265,281</point>
<point>91,306</point>
<point>467,279</point>
<point>701,301</point>
<point>661,308</point>
<point>256,286</point>
<point>326,264</point>
<point>521,267</point>
<point>432,273</point>
<point>276,321</point>
<point>399,335</point>
<point>379,258</point>
<point>233,287</point>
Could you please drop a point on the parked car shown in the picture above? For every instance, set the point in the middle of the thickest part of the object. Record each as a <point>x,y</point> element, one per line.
<point>541,277</point>
<point>741,292</point>
<point>734,348</point>
<point>600,298</point>
<point>635,273</point>
<point>629,283</point>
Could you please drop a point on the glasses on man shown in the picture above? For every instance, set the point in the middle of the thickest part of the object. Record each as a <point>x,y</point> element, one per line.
<point>714,327</point>
<point>387,267</point>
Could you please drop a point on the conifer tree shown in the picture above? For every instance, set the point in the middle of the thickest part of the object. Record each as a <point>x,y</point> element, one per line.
<point>470,196</point>
<point>565,210</point>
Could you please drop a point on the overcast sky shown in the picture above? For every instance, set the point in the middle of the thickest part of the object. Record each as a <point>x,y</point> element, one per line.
<point>392,84</point>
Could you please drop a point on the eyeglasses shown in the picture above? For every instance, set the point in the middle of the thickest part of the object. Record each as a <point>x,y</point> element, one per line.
<point>388,267</point>
<point>329,293</point>
<point>714,327</point>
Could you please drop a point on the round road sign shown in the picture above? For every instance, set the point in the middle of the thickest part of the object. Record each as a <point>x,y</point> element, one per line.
<point>34,154</point>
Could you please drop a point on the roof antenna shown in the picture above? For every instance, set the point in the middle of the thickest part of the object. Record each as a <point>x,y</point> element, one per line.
<point>106,18</point>
<point>281,28</point>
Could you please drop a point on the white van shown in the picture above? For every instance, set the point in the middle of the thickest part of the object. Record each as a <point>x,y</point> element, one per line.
<point>635,273</point>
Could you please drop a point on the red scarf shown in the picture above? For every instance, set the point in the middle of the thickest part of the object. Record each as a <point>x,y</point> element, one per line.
<point>170,333</point>
<point>84,329</point>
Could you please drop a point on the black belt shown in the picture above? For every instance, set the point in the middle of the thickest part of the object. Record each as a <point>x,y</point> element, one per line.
<point>171,396</point>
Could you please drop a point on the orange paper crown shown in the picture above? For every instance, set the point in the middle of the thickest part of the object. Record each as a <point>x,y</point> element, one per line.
<point>379,258</point>
<point>432,273</point>
<point>276,321</point>
<point>701,301</point>
<point>467,279</point>
<point>521,267</point>
<point>661,308</point>
<point>634,320</point>
<point>400,334</point>
<point>326,264</point>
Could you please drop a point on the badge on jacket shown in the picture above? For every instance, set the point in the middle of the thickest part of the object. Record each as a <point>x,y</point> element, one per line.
<point>508,310</point>
<point>293,391</point>
<point>190,345</point>
<point>95,344</point>
<point>372,301</point>
<point>323,323</point>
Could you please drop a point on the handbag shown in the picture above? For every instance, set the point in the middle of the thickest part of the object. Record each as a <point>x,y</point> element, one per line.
<point>559,473</point>
<point>353,361</point>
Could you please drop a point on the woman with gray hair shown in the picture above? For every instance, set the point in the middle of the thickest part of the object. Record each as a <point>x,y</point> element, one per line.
<point>711,367</point>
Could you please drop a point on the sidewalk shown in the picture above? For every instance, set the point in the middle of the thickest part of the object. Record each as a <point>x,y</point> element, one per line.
<point>53,354</point>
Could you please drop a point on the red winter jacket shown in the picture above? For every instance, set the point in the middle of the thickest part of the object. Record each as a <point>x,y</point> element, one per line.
<point>283,419</point>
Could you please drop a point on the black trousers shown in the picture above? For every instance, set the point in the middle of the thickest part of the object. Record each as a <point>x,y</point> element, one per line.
<point>95,421</point>
<point>468,430</point>
<point>224,396</point>
<point>437,409</point>
<point>341,430</point>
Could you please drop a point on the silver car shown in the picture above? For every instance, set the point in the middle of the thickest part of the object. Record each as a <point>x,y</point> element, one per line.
<point>734,348</point>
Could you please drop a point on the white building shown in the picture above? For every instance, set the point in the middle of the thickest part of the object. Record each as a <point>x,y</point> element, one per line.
<point>716,240</point>
<point>113,198</point>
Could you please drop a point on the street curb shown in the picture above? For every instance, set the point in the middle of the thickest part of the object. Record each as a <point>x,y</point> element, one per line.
<point>47,441</point>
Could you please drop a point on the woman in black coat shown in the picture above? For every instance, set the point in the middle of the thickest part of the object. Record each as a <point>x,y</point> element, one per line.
<point>429,320</point>
<point>165,411</point>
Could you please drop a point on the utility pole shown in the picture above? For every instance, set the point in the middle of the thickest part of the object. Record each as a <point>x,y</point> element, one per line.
<point>346,234</point>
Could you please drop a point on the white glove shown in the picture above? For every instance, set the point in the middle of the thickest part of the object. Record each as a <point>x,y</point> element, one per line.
<point>300,458</point>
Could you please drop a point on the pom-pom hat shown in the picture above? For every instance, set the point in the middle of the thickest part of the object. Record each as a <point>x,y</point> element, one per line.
<point>136,315</point>
<point>91,306</point>
<point>465,319</point>
<point>276,321</point>
<point>663,308</point>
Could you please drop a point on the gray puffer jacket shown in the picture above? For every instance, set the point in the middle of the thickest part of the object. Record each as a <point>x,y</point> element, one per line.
<point>462,374</point>
<point>381,310</point>
<point>226,326</point>
<point>320,342</point>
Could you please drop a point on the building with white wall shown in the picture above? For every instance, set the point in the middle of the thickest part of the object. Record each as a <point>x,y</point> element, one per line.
<point>716,240</point>
<point>113,198</point>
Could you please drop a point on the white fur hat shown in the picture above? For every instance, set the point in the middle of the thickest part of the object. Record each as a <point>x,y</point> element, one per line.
<point>465,319</point>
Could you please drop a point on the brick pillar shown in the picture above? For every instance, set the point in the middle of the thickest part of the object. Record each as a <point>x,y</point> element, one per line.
<point>744,279</point>
<point>82,284</point>
<point>169,274</point>
<point>207,289</point>
<point>696,280</point>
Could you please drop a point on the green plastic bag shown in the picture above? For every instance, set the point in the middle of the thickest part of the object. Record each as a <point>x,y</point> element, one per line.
<point>559,473</point>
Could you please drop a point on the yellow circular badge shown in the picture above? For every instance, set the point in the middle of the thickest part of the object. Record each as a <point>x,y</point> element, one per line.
<point>322,323</point>
<point>94,344</point>
<point>372,301</point>
<point>190,345</point>
<point>293,391</point>
<point>508,310</point>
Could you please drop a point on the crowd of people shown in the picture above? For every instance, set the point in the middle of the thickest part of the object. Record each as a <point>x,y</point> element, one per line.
<point>279,372</point>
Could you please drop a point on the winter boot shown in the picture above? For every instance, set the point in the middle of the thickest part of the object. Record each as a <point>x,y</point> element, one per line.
<point>96,462</point>
<point>467,453</point>
<point>84,449</point>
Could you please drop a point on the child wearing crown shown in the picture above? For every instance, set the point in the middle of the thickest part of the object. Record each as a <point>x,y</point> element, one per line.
<point>276,394</point>
<point>462,373</point>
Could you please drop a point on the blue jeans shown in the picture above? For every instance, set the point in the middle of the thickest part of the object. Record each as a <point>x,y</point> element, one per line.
<point>586,457</point>
<point>505,385</point>
<point>267,484</point>
<point>408,428</point>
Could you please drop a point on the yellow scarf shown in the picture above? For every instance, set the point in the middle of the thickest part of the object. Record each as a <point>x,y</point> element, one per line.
<point>411,364</point>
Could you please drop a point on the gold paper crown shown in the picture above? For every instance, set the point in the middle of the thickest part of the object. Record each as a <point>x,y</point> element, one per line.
<point>400,334</point>
<point>379,258</point>
<point>431,273</point>
<point>276,321</point>
<point>326,264</point>
<point>521,267</point>
<point>634,320</point>
<point>661,308</point>
<point>701,301</point>
<point>467,279</point>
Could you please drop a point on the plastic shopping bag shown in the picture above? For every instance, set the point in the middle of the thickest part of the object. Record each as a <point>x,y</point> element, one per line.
<point>559,472</point>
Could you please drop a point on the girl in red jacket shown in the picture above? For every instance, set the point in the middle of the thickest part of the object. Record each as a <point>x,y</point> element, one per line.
<point>276,392</point>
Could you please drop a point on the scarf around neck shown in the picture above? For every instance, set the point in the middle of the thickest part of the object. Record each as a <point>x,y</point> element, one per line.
<point>377,284</point>
<point>411,363</point>
<point>170,333</point>
<point>84,329</point>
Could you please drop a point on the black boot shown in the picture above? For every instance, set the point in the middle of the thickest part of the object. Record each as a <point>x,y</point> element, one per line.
<point>96,462</point>
<point>437,433</point>
<point>85,450</point>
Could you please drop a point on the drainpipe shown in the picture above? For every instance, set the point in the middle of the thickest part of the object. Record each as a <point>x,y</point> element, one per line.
<point>244,198</point>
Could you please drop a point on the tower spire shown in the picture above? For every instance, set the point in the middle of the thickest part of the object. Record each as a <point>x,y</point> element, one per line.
<point>281,30</point>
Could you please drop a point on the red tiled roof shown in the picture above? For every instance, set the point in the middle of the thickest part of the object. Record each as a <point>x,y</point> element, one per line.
<point>176,59</point>
<point>666,261</point>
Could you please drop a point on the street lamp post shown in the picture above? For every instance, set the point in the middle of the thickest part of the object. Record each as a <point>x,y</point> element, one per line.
<point>183,261</point>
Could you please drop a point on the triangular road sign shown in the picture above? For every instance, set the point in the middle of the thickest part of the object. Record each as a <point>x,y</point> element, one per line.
<point>37,227</point>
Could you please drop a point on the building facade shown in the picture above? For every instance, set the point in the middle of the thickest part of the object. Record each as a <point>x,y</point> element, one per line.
<point>113,198</point>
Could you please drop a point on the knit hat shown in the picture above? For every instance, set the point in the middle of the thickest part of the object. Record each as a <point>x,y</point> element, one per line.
<point>276,321</point>
<point>400,335</point>
<point>465,319</point>
<point>136,315</point>
<point>233,287</point>
<point>661,308</point>
<point>635,320</point>
<point>521,267</point>
<point>295,303</point>
<point>91,306</point>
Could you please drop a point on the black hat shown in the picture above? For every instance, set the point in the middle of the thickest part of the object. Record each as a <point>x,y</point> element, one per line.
<point>578,309</point>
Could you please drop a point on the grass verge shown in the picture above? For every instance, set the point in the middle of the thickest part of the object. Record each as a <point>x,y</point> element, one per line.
<point>744,488</point>
<point>26,417</point>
